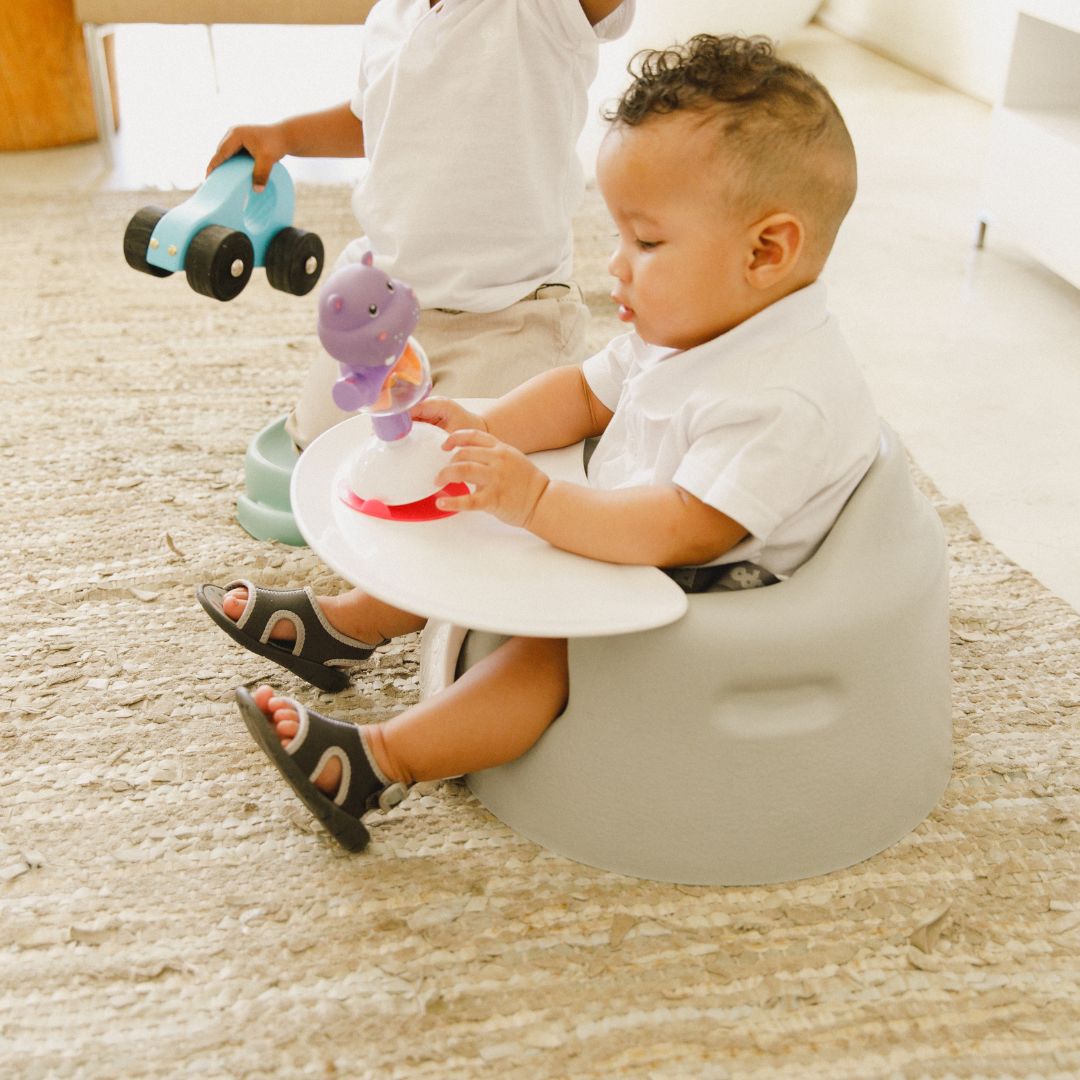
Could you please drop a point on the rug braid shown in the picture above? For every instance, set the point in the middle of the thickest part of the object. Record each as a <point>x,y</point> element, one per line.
<point>167,907</point>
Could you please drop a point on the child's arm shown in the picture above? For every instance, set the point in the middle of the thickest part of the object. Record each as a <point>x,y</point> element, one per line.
<point>333,132</point>
<point>553,409</point>
<point>595,10</point>
<point>651,526</point>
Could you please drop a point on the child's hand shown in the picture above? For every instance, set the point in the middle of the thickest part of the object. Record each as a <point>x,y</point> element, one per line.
<point>447,414</point>
<point>504,481</point>
<point>264,142</point>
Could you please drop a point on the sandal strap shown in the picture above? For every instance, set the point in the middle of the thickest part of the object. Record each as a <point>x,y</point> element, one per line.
<point>316,639</point>
<point>321,738</point>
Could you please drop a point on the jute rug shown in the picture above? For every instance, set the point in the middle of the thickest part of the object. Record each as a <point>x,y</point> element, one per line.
<point>168,908</point>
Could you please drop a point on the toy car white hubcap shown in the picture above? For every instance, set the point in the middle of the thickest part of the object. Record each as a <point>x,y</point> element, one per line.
<point>237,267</point>
<point>311,265</point>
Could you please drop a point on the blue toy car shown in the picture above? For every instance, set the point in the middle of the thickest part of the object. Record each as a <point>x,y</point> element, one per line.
<point>224,231</point>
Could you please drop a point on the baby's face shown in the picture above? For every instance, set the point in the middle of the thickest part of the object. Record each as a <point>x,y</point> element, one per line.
<point>679,263</point>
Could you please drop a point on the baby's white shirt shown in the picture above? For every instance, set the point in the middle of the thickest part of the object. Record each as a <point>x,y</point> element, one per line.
<point>471,114</point>
<point>771,423</point>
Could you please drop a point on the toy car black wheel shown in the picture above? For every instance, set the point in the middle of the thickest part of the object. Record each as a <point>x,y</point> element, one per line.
<point>137,240</point>
<point>219,262</point>
<point>294,261</point>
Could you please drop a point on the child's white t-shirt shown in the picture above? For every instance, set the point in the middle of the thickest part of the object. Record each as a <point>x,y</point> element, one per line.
<point>771,423</point>
<point>471,112</point>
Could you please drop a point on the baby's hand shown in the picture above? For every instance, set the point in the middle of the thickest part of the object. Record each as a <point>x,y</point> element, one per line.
<point>447,414</point>
<point>504,481</point>
<point>264,142</point>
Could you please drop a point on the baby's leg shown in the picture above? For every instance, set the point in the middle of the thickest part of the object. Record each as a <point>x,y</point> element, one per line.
<point>491,715</point>
<point>354,614</point>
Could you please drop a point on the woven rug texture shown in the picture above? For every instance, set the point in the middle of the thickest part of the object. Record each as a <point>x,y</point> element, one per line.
<point>167,907</point>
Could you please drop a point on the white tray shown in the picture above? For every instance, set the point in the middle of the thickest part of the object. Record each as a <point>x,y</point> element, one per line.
<point>472,569</point>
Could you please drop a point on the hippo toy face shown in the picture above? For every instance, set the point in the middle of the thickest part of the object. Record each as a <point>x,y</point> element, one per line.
<point>365,316</point>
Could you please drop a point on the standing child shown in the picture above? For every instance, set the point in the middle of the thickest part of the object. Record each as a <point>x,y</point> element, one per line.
<point>734,422</point>
<point>468,112</point>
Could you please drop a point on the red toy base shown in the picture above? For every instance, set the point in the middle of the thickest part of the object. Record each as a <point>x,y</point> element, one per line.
<point>421,510</point>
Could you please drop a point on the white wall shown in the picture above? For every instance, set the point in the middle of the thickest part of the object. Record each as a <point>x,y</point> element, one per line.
<point>962,43</point>
<point>659,23</point>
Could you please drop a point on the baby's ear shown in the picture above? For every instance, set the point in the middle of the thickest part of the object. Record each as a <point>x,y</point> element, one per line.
<point>776,244</point>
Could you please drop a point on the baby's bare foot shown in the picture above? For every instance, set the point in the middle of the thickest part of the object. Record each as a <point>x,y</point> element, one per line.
<point>286,723</point>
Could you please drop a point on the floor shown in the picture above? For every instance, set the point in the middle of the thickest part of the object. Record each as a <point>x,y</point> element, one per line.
<point>973,356</point>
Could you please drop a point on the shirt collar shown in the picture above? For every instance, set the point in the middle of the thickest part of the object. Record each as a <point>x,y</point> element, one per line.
<point>792,315</point>
<point>668,373</point>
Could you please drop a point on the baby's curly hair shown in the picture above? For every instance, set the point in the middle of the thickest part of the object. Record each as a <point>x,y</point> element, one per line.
<point>778,126</point>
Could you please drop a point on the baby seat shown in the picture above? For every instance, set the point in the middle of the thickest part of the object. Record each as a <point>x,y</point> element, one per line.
<point>768,735</point>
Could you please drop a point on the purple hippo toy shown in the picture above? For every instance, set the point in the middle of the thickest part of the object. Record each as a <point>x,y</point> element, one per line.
<point>365,319</point>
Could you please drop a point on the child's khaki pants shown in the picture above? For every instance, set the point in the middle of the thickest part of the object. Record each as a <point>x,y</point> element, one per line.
<point>471,355</point>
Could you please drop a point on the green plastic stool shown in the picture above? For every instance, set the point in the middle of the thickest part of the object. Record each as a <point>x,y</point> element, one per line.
<point>264,509</point>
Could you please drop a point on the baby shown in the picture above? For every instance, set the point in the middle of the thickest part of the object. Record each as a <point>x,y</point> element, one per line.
<point>733,421</point>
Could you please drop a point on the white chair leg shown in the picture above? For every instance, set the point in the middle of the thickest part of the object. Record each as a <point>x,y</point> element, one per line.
<point>94,38</point>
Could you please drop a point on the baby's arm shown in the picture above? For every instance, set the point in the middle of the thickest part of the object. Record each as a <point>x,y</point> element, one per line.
<point>333,132</point>
<point>659,525</point>
<point>553,409</point>
<point>650,526</point>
